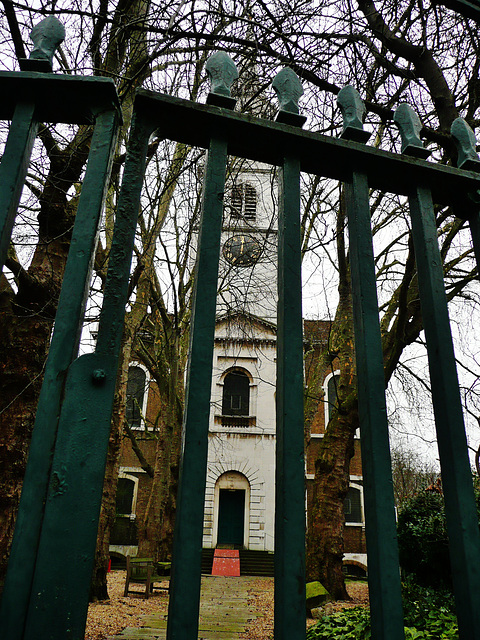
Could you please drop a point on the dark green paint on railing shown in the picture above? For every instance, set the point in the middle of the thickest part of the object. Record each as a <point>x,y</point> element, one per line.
<point>462,519</point>
<point>64,345</point>
<point>63,350</point>
<point>13,169</point>
<point>381,534</point>
<point>186,567</point>
<point>290,608</point>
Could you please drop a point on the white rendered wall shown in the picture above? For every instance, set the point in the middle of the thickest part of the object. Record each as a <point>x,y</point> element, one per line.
<point>247,450</point>
<point>253,457</point>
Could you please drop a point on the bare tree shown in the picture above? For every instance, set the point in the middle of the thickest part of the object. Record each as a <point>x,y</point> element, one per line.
<point>391,51</point>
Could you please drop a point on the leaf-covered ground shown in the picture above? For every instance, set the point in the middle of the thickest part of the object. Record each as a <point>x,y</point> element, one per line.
<point>106,619</point>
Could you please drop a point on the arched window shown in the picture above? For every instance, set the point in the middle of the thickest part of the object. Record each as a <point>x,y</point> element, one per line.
<point>352,506</point>
<point>331,395</point>
<point>244,201</point>
<point>136,387</point>
<point>236,394</point>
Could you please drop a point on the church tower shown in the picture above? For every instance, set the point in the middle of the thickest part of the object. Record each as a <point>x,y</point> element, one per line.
<point>247,280</point>
<point>240,490</point>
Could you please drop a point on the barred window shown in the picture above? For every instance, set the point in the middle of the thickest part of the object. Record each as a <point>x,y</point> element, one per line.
<point>244,201</point>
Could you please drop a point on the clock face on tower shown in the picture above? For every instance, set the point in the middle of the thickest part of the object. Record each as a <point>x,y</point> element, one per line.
<point>242,250</point>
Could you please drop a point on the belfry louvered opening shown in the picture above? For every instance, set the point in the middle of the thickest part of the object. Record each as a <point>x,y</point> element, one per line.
<point>244,201</point>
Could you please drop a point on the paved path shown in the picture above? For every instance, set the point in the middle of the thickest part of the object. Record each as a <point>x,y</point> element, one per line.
<point>224,612</point>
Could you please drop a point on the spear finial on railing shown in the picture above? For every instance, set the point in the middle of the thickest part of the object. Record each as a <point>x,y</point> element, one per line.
<point>289,90</point>
<point>467,204</point>
<point>223,72</point>
<point>466,143</point>
<point>353,109</point>
<point>46,36</point>
<point>410,126</point>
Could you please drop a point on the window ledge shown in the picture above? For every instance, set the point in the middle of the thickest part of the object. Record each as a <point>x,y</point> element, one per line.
<point>255,431</point>
<point>236,422</point>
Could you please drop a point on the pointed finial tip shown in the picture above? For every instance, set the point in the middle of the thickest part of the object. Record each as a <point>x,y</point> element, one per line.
<point>222,71</point>
<point>353,109</point>
<point>289,90</point>
<point>466,143</point>
<point>46,36</point>
<point>410,127</point>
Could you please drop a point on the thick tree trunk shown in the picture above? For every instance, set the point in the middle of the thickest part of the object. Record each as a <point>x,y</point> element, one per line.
<point>325,546</point>
<point>26,322</point>
<point>156,529</point>
<point>23,350</point>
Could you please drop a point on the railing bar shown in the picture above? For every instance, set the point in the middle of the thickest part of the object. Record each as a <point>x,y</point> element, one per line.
<point>59,600</point>
<point>290,612</point>
<point>63,349</point>
<point>326,156</point>
<point>381,535</point>
<point>462,522</point>
<point>75,489</point>
<point>474,222</point>
<point>63,572</point>
<point>112,315</point>
<point>187,547</point>
<point>13,170</point>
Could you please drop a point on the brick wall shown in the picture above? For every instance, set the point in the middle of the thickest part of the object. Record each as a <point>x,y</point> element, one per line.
<point>354,539</point>
<point>147,444</point>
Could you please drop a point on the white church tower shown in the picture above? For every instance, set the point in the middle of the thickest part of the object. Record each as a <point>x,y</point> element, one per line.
<point>240,490</point>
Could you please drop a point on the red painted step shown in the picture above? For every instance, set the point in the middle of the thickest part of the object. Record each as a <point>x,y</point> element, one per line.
<point>226,562</point>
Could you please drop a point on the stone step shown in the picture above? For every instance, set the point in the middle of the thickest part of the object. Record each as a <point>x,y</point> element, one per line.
<point>252,562</point>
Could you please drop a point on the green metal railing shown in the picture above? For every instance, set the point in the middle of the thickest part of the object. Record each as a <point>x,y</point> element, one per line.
<point>469,8</point>
<point>58,515</point>
<point>57,519</point>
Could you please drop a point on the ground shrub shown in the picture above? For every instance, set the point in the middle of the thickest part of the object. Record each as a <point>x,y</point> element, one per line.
<point>349,624</point>
<point>429,614</point>
<point>428,611</point>
<point>423,540</point>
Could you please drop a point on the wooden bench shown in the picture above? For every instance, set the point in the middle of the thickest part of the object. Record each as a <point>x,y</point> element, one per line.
<point>147,572</point>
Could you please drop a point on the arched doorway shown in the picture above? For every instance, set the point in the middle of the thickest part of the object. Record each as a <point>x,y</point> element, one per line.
<point>232,502</point>
<point>231,517</point>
